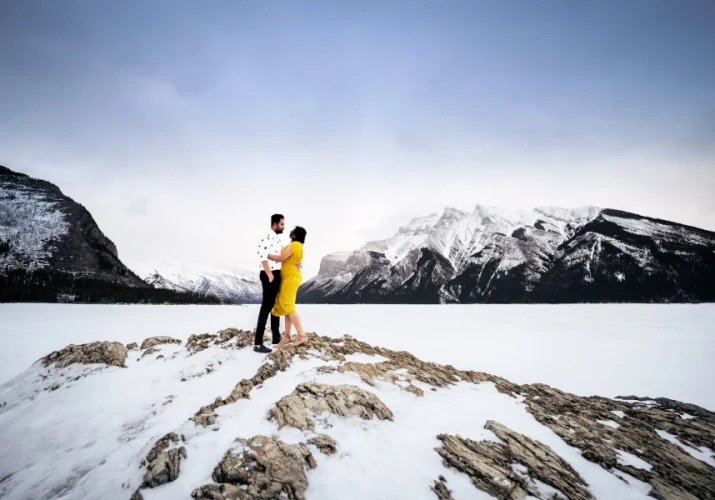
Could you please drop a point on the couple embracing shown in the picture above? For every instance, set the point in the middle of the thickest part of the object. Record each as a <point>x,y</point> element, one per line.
<point>280,277</point>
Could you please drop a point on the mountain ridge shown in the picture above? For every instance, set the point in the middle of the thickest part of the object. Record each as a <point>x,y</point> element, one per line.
<point>52,249</point>
<point>506,256</point>
<point>238,286</point>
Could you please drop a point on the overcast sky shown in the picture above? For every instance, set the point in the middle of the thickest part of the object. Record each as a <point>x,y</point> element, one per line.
<point>183,125</point>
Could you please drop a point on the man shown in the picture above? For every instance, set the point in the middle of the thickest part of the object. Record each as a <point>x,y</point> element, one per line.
<point>271,281</point>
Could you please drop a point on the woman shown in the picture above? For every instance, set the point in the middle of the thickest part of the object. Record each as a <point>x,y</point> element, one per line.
<point>291,278</point>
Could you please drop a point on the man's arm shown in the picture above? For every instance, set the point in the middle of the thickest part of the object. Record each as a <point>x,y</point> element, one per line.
<point>283,256</point>
<point>267,269</point>
<point>263,255</point>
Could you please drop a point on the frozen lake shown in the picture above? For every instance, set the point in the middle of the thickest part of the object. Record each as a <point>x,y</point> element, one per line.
<point>609,350</point>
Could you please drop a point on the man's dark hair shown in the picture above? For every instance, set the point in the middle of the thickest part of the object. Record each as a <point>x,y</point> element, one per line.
<point>276,218</point>
<point>299,234</point>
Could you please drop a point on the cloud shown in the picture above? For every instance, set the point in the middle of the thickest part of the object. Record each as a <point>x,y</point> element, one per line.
<point>199,124</point>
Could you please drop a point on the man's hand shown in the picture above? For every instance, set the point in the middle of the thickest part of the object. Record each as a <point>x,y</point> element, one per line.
<point>299,266</point>
<point>270,277</point>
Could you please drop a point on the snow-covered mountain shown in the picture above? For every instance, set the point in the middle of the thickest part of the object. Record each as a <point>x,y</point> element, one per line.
<point>547,254</point>
<point>51,249</point>
<point>230,285</point>
<point>42,228</point>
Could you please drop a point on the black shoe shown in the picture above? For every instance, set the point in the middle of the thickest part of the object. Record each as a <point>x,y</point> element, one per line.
<point>262,349</point>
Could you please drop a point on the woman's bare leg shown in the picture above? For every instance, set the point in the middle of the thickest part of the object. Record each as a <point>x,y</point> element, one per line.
<point>286,333</point>
<point>295,320</point>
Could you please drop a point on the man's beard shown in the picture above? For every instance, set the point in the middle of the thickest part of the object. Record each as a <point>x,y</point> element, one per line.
<point>279,231</point>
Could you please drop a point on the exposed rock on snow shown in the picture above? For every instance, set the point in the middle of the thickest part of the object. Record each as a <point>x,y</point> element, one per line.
<point>199,342</point>
<point>151,350</point>
<point>491,466</point>
<point>268,467</point>
<point>280,360</point>
<point>132,346</point>
<point>324,443</point>
<point>108,353</point>
<point>155,341</point>
<point>551,407</point>
<point>639,455</point>
<point>162,463</point>
<point>441,490</point>
<point>575,420</point>
<point>342,400</point>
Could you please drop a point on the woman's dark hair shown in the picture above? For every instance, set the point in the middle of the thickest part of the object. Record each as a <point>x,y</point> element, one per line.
<point>298,234</point>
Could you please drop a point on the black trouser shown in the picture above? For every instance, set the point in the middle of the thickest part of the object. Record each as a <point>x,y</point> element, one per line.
<point>270,292</point>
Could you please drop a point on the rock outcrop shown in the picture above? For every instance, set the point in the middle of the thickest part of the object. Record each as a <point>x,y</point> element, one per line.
<point>199,342</point>
<point>280,360</point>
<point>108,353</point>
<point>605,428</point>
<point>507,469</point>
<point>158,340</point>
<point>163,461</point>
<point>267,467</point>
<point>342,400</point>
<point>441,490</point>
<point>658,432</point>
<point>324,443</point>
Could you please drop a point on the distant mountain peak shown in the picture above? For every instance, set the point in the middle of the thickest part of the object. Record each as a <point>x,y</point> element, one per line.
<point>583,253</point>
<point>232,285</point>
<point>51,249</point>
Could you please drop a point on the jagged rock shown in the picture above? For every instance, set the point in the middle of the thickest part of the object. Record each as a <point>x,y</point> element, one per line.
<point>220,492</point>
<point>266,466</point>
<point>204,417</point>
<point>663,491</point>
<point>154,341</point>
<point>108,353</point>
<point>132,346</point>
<point>491,466</point>
<point>332,349</point>
<point>280,360</point>
<point>412,368</point>
<point>241,391</point>
<point>199,342</point>
<point>137,495</point>
<point>162,464</point>
<point>149,351</point>
<point>674,472</point>
<point>324,443</point>
<point>440,489</point>
<point>165,468</point>
<point>342,400</point>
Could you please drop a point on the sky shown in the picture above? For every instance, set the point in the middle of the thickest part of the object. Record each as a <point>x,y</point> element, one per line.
<point>182,125</point>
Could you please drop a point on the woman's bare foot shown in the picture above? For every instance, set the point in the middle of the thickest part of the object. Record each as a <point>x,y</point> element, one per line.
<point>285,339</point>
<point>302,339</point>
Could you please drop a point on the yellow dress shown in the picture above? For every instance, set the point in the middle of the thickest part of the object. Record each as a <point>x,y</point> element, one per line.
<point>291,278</point>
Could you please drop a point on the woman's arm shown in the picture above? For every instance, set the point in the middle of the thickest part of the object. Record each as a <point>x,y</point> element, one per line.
<point>280,258</point>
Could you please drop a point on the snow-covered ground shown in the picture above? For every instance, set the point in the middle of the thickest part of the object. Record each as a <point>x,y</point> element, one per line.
<point>609,350</point>
<point>86,438</point>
